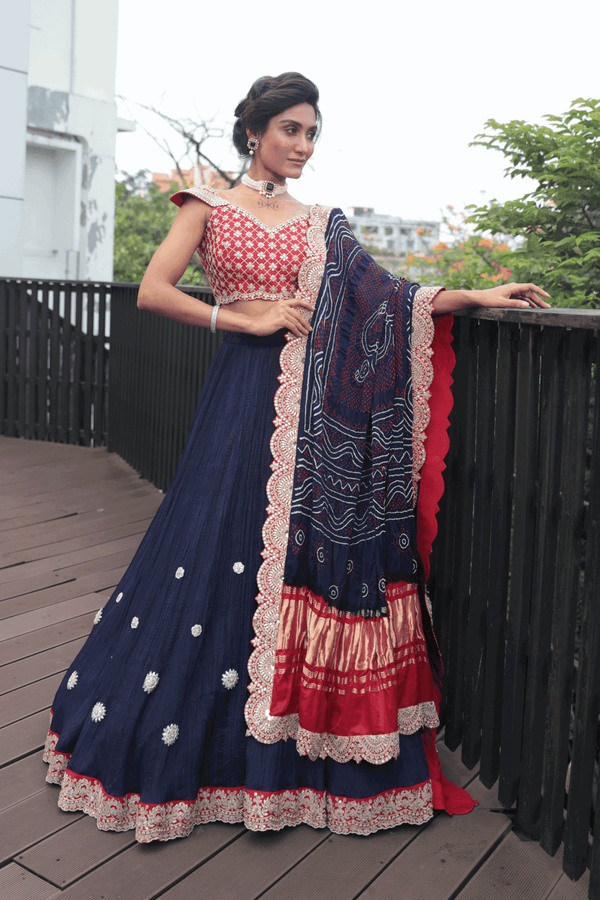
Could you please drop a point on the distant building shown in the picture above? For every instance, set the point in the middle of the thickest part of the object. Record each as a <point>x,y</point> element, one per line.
<point>196,176</point>
<point>391,234</point>
<point>57,156</point>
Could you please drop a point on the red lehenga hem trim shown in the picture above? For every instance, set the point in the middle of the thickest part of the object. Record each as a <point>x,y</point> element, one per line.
<point>257,810</point>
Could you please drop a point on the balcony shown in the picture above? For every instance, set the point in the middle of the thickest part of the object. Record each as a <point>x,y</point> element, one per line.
<point>515,587</point>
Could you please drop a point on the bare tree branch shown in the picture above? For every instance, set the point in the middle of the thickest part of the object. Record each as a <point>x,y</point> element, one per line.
<point>193,134</point>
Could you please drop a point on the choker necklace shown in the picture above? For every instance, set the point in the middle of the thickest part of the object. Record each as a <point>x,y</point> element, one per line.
<point>266,188</point>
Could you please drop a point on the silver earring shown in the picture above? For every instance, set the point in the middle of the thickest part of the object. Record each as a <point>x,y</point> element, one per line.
<point>252,145</point>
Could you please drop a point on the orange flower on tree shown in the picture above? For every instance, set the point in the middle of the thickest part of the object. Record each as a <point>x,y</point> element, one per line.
<point>485,242</point>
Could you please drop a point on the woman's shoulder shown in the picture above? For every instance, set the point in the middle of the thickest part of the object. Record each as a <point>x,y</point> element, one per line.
<point>206,194</point>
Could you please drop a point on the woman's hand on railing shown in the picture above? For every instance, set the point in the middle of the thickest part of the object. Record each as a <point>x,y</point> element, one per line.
<point>511,296</point>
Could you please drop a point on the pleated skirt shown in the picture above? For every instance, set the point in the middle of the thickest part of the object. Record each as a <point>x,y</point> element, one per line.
<point>148,728</point>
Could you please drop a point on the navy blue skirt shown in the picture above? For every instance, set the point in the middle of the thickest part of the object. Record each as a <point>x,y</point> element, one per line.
<point>148,727</point>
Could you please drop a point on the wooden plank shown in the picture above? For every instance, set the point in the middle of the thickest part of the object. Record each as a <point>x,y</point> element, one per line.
<point>23,779</point>
<point>19,884</point>
<point>26,671</point>
<point>544,578</point>
<point>560,685</point>
<point>30,699</point>
<point>19,587</point>
<point>40,535</point>
<point>594,893</point>
<point>28,822</point>
<point>95,583</point>
<point>43,367</point>
<point>566,890</point>
<point>48,580</point>
<point>528,368</point>
<point>51,480</point>
<point>502,498</point>
<point>44,638</point>
<point>71,853</point>
<point>250,866</point>
<point>36,619</point>
<point>560,318</point>
<point>354,859</point>
<point>81,542</point>
<point>23,737</point>
<point>516,869</point>
<point>79,497</point>
<point>144,871</point>
<point>444,856</point>
<point>46,512</point>
<point>587,707</point>
<point>342,865</point>
<point>61,562</point>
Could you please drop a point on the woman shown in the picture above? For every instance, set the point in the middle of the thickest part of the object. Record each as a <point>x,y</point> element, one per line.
<point>309,483</point>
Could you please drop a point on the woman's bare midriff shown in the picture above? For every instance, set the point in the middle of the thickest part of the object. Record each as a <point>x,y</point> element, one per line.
<point>250,307</point>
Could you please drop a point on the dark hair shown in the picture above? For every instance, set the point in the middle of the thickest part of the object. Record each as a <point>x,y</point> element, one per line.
<point>269,97</point>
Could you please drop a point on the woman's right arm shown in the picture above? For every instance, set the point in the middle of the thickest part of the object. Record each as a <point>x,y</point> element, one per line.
<point>158,292</point>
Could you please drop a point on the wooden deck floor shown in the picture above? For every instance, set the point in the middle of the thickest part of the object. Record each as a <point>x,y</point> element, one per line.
<point>70,521</point>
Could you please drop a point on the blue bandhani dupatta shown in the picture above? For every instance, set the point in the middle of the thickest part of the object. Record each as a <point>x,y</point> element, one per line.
<point>352,524</point>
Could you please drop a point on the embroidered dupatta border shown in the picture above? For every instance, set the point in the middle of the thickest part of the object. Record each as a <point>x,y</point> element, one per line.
<point>268,729</point>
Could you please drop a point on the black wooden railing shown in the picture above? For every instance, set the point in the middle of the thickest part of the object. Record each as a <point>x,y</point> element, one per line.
<point>516,570</point>
<point>54,360</point>
<point>516,566</point>
<point>157,370</point>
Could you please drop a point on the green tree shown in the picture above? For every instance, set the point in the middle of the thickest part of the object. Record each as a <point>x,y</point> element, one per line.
<point>467,261</point>
<point>143,217</point>
<point>558,222</point>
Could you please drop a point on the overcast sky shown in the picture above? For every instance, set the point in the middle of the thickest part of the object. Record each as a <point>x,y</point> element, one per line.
<point>405,86</point>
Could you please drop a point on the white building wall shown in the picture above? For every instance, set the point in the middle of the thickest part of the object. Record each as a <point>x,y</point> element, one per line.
<point>14,53</point>
<point>61,172</point>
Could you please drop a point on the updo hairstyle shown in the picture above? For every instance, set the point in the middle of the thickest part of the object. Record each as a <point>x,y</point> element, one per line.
<point>269,97</point>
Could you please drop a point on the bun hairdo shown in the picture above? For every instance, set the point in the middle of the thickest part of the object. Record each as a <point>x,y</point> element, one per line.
<point>269,96</point>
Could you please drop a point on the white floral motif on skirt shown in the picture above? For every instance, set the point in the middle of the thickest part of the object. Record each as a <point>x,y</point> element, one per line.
<point>98,712</point>
<point>230,678</point>
<point>150,682</point>
<point>170,734</point>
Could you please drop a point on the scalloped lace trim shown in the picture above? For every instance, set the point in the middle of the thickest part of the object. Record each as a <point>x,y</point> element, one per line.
<point>266,728</point>
<point>421,366</point>
<point>378,748</point>
<point>258,810</point>
<point>261,724</point>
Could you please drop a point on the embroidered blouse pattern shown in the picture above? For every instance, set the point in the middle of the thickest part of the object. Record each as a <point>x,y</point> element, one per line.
<point>243,258</point>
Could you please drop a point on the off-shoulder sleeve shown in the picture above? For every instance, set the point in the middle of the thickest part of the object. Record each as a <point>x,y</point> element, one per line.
<point>207,194</point>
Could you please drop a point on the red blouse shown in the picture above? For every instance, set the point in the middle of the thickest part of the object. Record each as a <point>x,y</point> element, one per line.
<point>243,258</point>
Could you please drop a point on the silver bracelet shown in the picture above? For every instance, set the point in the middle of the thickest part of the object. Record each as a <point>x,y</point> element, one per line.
<point>213,320</point>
